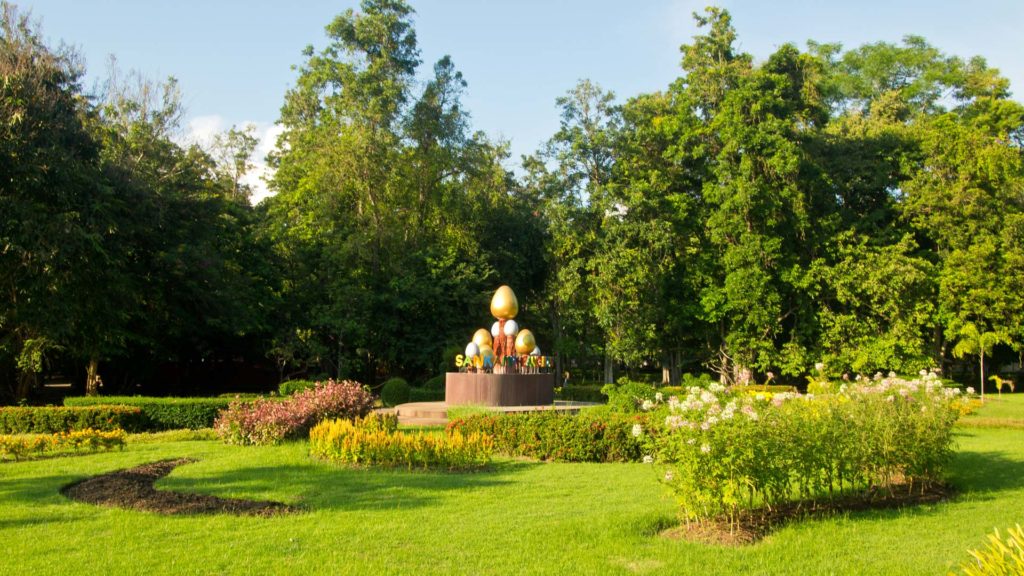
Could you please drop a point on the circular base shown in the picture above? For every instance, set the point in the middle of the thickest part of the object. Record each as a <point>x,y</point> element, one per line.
<point>499,389</point>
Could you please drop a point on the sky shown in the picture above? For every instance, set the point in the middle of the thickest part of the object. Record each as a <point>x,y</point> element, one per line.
<point>233,58</point>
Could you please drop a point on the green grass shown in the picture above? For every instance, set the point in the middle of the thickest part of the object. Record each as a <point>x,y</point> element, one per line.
<point>519,517</point>
<point>1006,411</point>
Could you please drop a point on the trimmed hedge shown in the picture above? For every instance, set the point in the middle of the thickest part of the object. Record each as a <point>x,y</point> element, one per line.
<point>583,393</point>
<point>594,435</point>
<point>292,386</point>
<point>163,413</point>
<point>394,392</point>
<point>425,395</point>
<point>53,419</point>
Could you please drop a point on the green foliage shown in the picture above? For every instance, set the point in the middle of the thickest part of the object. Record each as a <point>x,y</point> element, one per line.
<point>591,436</point>
<point>292,386</point>
<point>79,441</point>
<point>162,413</point>
<point>425,395</point>
<point>53,419</point>
<point>375,441</point>
<point>395,391</point>
<point>583,393</point>
<point>435,382</point>
<point>628,396</point>
<point>1000,557</point>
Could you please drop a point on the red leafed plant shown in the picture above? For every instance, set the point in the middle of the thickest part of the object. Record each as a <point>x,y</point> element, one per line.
<point>269,422</point>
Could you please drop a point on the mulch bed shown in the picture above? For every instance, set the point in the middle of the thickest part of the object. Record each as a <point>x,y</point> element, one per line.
<point>750,527</point>
<point>133,489</point>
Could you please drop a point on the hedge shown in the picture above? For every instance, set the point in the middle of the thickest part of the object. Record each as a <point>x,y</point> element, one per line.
<point>425,395</point>
<point>53,419</point>
<point>595,435</point>
<point>583,393</point>
<point>163,413</point>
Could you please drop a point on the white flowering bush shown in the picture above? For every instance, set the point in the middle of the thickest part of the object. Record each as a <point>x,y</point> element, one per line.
<point>725,452</point>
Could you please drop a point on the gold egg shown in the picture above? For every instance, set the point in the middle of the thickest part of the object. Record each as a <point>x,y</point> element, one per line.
<point>486,351</point>
<point>525,342</point>
<point>482,338</point>
<point>504,305</point>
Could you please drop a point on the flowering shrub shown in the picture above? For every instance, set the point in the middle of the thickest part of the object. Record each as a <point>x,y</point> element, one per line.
<point>270,422</point>
<point>726,452</point>
<point>87,440</point>
<point>375,441</point>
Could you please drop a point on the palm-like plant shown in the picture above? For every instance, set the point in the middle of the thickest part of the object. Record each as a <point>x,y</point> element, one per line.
<point>973,341</point>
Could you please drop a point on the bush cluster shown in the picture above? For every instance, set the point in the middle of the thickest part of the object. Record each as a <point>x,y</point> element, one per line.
<point>87,440</point>
<point>163,413</point>
<point>51,419</point>
<point>270,422</point>
<point>292,386</point>
<point>628,395</point>
<point>582,393</point>
<point>1001,557</point>
<point>595,435</point>
<point>373,442</point>
<point>728,453</point>
<point>395,391</point>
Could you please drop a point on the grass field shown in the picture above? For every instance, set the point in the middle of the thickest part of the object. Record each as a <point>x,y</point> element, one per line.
<point>519,517</point>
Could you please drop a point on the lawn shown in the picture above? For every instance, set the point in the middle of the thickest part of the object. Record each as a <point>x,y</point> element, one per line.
<point>518,517</point>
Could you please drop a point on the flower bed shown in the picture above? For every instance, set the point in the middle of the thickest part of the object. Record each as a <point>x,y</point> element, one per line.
<point>727,453</point>
<point>88,440</point>
<point>375,441</point>
<point>269,422</point>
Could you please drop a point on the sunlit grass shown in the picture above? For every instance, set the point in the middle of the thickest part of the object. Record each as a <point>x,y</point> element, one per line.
<point>518,517</point>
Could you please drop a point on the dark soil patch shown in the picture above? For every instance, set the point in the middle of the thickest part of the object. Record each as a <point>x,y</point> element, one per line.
<point>752,526</point>
<point>133,489</point>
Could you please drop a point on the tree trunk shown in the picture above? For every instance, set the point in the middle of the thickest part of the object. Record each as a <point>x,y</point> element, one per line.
<point>981,365</point>
<point>92,378</point>
<point>609,369</point>
<point>666,369</point>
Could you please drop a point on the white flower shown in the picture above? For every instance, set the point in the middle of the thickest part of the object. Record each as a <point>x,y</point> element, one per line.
<point>658,397</point>
<point>923,373</point>
<point>637,430</point>
<point>648,459</point>
<point>705,448</point>
<point>892,374</point>
<point>669,476</point>
<point>647,405</point>
<point>819,366</point>
<point>970,389</point>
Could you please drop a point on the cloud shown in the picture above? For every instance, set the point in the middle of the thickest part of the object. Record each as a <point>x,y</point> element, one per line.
<point>203,129</point>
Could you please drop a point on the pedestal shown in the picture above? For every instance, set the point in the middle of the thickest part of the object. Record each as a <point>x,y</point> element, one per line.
<point>499,389</point>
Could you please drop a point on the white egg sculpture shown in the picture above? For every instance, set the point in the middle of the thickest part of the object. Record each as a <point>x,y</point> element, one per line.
<point>495,329</point>
<point>472,349</point>
<point>511,328</point>
<point>536,351</point>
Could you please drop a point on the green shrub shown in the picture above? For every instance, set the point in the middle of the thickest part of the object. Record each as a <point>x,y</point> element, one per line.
<point>394,392</point>
<point>51,419</point>
<point>699,380</point>
<point>756,388</point>
<point>425,395</point>
<point>582,393</point>
<point>374,441</point>
<point>292,386</point>
<point>88,440</point>
<point>628,395</point>
<point>163,413</point>
<point>592,436</point>
<point>435,383</point>
<point>1002,557</point>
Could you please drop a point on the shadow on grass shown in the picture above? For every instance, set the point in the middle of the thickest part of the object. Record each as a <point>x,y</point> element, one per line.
<point>986,473</point>
<point>324,486</point>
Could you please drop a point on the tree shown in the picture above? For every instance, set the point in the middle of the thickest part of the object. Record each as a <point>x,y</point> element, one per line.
<point>973,341</point>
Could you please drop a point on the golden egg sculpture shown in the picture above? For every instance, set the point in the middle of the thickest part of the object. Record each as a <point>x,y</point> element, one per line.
<point>486,352</point>
<point>482,338</point>
<point>525,342</point>
<point>504,305</point>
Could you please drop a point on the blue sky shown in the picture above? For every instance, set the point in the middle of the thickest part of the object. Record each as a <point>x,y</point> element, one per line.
<point>233,58</point>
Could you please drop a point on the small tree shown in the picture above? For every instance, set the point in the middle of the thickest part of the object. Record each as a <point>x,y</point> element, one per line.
<point>974,341</point>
